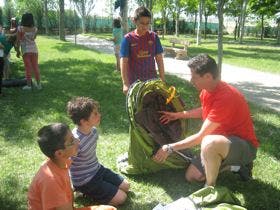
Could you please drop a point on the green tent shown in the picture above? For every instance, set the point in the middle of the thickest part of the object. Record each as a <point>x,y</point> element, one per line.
<point>144,100</point>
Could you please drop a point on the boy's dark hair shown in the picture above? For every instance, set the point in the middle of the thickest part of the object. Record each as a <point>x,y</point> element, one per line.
<point>27,20</point>
<point>52,138</point>
<point>202,64</point>
<point>81,108</point>
<point>141,12</point>
<point>116,23</point>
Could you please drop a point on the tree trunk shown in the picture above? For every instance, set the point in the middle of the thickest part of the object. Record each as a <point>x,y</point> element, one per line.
<point>278,33</point>
<point>242,21</point>
<point>198,33</point>
<point>177,25</point>
<point>46,17</point>
<point>220,35</point>
<point>262,30</point>
<point>205,26</point>
<point>195,21</point>
<point>61,20</point>
<point>124,17</point>
<point>235,29</point>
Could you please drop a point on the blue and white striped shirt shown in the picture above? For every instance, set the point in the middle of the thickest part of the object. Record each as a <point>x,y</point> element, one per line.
<point>85,165</point>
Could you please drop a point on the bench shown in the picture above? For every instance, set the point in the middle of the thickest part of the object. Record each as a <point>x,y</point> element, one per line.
<point>177,52</point>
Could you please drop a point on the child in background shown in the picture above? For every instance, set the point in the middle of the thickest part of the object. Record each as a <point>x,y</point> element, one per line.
<point>88,175</point>
<point>26,36</point>
<point>7,42</point>
<point>51,187</point>
<point>139,50</point>
<point>117,38</point>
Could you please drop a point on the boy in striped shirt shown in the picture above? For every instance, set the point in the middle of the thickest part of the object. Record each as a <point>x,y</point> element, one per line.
<point>139,51</point>
<point>89,176</point>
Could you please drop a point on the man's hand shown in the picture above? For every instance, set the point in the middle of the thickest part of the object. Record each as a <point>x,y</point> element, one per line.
<point>161,154</point>
<point>166,117</point>
<point>125,89</point>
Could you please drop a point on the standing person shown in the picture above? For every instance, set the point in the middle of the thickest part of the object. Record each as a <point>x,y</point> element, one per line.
<point>139,50</point>
<point>26,36</point>
<point>227,135</point>
<point>13,27</point>
<point>51,188</point>
<point>8,41</point>
<point>117,38</point>
<point>89,176</point>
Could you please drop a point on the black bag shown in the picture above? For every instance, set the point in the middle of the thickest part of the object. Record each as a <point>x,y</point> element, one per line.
<point>14,83</point>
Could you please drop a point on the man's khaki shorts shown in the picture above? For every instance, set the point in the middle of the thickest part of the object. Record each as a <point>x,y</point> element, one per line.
<point>241,152</point>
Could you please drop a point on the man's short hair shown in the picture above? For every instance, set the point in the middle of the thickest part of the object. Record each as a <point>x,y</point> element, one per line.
<point>141,12</point>
<point>81,108</point>
<point>52,138</point>
<point>202,64</point>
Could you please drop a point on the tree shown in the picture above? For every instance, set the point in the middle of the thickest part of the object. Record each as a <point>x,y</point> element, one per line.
<point>61,20</point>
<point>264,9</point>
<point>162,7</point>
<point>220,8</point>
<point>84,7</point>
<point>180,6</point>
<point>198,33</point>
<point>233,9</point>
<point>46,16</point>
<point>209,9</point>
<point>242,20</point>
<point>278,27</point>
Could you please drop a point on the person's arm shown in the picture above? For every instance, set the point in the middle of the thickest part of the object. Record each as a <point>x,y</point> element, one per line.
<point>124,68</point>
<point>166,117</point>
<point>189,142</point>
<point>160,65</point>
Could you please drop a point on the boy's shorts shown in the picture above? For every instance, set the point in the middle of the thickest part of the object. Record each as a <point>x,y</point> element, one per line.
<point>103,186</point>
<point>241,153</point>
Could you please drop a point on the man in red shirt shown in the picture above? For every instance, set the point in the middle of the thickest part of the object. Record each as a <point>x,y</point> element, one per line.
<point>227,136</point>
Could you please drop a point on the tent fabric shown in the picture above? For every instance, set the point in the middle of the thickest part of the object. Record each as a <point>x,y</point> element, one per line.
<point>215,198</point>
<point>147,134</point>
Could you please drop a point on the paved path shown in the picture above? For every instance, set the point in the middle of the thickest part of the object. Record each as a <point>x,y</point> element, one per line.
<point>258,87</point>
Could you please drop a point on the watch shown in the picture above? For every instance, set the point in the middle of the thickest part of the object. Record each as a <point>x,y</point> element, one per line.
<point>169,149</point>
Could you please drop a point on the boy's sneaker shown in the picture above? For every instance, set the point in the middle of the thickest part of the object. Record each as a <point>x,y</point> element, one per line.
<point>245,172</point>
<point>26,87</point>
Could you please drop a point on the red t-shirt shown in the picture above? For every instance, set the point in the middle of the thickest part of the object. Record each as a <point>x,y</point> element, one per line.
<point>227,106</point>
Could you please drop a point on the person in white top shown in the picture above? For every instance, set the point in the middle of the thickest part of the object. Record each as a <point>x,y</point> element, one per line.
<point>26,35</point>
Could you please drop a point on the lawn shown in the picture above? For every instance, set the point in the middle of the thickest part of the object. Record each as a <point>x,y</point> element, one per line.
<point>68,70</point>
<point>253,53</point>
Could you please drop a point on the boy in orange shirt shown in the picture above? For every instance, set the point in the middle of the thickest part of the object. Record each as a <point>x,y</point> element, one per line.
<point>51,187</point>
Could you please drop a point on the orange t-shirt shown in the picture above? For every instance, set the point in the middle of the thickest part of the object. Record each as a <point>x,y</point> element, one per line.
<point>50,188</point>
<point>227,106</point>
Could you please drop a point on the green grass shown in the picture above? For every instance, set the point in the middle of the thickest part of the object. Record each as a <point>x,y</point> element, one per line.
<point>67,71</point>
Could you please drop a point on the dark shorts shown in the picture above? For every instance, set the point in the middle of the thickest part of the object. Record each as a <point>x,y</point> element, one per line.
<point>103,186</point>
<point>241,152</point>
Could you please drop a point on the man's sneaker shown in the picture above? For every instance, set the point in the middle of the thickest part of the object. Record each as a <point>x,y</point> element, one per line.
<point>26,87</point>
<point>245,172</point>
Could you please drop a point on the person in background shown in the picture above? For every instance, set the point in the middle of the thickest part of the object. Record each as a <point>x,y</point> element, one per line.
<point>117,38</point>
<point>139,51</point>
<point>26,35</point>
